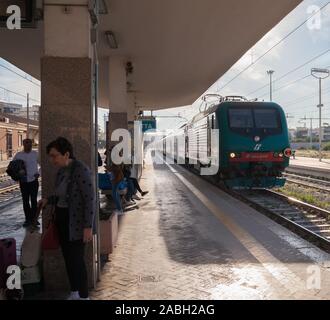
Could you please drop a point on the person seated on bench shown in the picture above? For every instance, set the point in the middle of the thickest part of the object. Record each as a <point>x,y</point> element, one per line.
<point>116,176</point>
<point>133,183</point>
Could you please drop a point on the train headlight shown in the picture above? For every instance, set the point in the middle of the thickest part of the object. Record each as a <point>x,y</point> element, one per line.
<point>232,155</point>
<point>288,152</point>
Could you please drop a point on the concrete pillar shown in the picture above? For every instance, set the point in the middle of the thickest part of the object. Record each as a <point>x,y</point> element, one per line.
<point>132,111</point>
<point>117,96</point>
<point>67,106</point>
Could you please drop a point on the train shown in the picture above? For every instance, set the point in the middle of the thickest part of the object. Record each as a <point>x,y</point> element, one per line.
<point>238,143</point>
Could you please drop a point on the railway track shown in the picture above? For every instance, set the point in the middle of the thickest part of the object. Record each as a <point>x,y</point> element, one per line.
<point>308,182</point>
<point>9,192</point>
<point>310,222</point>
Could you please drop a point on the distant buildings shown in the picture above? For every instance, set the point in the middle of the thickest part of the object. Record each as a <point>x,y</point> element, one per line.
<point>13,108</point>
<point>13,131</point>
<point>326,133</point>
<point>19,110</point>
<point>304,134</point>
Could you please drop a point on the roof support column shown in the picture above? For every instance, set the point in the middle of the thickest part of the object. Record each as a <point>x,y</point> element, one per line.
<point>118,118</point>
<point>67,106</point>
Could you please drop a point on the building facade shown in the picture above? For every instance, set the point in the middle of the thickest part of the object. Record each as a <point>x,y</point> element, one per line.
<point>13,130</point>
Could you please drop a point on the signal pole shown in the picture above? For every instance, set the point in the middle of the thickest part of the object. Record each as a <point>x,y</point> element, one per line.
<point>320,74</point>
<point>270,73</point>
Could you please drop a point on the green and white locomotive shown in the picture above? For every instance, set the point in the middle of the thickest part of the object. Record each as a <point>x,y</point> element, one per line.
<point>250,150</point>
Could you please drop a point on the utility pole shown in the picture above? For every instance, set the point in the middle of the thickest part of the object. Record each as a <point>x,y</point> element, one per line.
<point>288,116</point>
<point>320,74</point>
<point>270,73</point>
<point>310,129</point>
<point>27,116</point>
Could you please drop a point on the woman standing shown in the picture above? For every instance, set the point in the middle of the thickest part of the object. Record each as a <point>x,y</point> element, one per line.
<point>74,202</point>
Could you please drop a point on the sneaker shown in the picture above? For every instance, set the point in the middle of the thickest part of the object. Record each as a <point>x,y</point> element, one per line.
<point>135,197</point>
<point>144,193</point>
<point>129,203</point>
<point>74,295</point>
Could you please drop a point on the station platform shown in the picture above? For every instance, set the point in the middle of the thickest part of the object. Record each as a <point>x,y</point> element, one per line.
<point>311,163</point>
<point>310,166</point>
<point>190,240</point>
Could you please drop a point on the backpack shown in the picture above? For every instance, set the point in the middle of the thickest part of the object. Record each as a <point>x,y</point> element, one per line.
<point>16,170</point>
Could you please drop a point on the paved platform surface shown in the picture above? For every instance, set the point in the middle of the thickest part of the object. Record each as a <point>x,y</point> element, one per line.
<point>189,240</point>
<point>311,163</point>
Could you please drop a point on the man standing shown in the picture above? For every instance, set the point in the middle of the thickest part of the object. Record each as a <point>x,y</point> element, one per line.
<point>29,185</point>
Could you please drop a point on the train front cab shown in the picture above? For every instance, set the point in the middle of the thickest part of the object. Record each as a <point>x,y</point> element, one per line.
<point>254,144</point>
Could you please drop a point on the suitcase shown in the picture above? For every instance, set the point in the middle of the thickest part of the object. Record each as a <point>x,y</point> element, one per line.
<point>31,249</point>
<point>7,258</point>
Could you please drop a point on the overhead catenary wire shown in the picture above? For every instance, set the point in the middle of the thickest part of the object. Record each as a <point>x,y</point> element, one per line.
<point>290,72</point>
<point>302,98</point>
<point>284,86</point>
<point>19,94</point>
<point>274,46</point>
<point>304,108</point>
<point>20,75</point>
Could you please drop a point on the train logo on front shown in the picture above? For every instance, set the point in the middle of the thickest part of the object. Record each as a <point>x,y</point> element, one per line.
<point>257,147</point>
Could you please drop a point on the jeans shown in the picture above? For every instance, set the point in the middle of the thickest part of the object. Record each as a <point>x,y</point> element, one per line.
<point>130,189</point>
<point>116,196</point>
<point>73,254</point>
<point>29,192</point>
<point>136,184</point>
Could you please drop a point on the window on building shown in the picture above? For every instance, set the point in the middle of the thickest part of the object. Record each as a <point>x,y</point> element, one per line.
<point>20,140</point>
<point>9,144</point>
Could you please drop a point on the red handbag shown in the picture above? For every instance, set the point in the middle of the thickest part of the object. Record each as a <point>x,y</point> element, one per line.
<point>50,239</point>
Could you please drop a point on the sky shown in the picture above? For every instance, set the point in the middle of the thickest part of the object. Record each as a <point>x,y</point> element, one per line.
<point>292,59</point>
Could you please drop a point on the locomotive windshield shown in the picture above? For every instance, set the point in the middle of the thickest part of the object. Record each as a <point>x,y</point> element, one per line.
<point>266,118</point>
<point>241,118</point>
<point>248,119</point>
